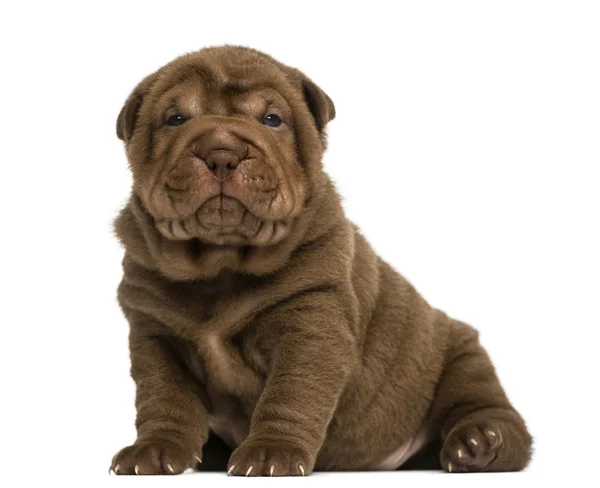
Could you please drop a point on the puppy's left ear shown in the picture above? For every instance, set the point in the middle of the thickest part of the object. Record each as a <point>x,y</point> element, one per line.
<point>319,103</point>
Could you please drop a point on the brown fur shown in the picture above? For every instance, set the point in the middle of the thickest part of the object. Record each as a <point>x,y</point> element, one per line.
<point>259,313</point>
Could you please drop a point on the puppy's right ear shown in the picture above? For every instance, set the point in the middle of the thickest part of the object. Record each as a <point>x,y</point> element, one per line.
<point>128,116</point>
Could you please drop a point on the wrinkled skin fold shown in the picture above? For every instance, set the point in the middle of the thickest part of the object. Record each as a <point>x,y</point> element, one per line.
<point>259,316</point>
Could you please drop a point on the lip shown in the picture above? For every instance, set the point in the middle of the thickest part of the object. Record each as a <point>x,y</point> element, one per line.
<point>262,196</point>
<point>224,220</point>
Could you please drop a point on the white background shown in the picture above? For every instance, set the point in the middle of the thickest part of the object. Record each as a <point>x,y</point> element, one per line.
<point>466,146</point>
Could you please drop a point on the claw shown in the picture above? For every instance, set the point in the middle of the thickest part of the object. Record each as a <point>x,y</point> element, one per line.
<point>137,469</point>
<point>117,468</point>
<point>450,467</point>
<point>271,469</point>
<point>249,470</point>
<point>170,468</point>
<point>491,433</point>
<point>230,470</point>
<point>473,441</point>
<point>460,453</point>
<point>198,459</point>
<point>301,469</point>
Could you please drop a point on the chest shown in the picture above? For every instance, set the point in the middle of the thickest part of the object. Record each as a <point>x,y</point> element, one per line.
<point>216,330</point>
<point>230,376</point>
<point>219,338</point>
<point>231,372</point>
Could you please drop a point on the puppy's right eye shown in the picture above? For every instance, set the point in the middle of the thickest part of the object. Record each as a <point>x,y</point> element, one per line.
<point>175,120</point>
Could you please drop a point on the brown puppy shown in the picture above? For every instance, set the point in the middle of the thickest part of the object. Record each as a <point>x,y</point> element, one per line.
<point>259,313</point>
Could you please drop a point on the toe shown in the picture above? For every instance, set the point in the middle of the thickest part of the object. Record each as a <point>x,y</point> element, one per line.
<point>263,458</point>
<point>494,437</point>
<point>152,458</point>
<point>476,443</point>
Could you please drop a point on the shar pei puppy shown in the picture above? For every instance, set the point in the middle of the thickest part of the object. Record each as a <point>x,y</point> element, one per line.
<point>260,318</point>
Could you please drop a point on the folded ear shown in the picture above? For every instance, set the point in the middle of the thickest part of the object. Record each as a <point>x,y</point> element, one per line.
<point>320,105</point>
<point>127,119</point>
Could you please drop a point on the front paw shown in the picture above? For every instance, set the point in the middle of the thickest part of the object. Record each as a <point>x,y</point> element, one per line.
<point>154,457</point>
<point>270,458</point>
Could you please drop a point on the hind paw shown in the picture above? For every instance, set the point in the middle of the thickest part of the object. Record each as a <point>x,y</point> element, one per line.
<point>471,448</point>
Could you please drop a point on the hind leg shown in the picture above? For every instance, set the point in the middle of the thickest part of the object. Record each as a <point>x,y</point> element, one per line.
<point>480,430</point>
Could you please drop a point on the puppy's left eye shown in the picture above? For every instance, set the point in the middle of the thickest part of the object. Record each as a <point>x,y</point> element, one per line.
<point>272,120</point>
<point>175,120</point>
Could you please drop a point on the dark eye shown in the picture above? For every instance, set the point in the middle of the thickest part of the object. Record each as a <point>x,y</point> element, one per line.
<point>272,120</point>
<point>175,120</point>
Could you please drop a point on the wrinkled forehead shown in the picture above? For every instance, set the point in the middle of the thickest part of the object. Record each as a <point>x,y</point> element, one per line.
<point>218,86</point>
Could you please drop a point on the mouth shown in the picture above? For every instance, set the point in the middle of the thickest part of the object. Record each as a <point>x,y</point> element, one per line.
<point>224,220</point>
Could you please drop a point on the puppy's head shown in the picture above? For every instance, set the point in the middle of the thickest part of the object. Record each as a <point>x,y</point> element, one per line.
<point>225,145</point>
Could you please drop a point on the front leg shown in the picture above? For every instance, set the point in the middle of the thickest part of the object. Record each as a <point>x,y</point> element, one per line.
<point>171,420</point>
<point>311,362</point>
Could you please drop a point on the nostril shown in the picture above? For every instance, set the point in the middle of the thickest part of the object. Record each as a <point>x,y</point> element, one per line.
<point>222,158</point>
<point>221,162</point>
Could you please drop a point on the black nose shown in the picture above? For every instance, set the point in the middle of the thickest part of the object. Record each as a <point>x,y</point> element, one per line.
<point>222,163</point>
